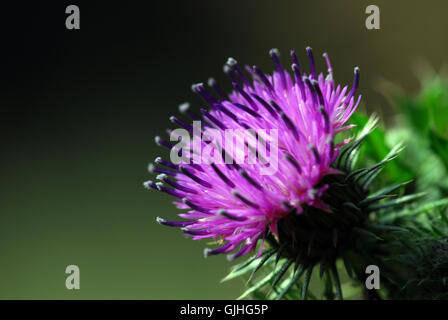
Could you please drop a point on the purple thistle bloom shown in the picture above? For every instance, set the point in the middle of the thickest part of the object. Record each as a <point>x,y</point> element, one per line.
<point>233,203</point>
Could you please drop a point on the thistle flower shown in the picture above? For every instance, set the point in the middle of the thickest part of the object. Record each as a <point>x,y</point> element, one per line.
<point>316,206</point>
<point>233,203</point>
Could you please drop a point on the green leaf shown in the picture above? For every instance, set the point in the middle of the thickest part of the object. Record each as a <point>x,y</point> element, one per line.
<point>337,283</point>
<point>439,145</point>
<point>364,232</point>
<point>282,271</point>
<point>396,202</point>
<point>306,282</point>
<point>424,208</point>
<point>292,280</point>
<point>387,228</point>
<point>266,259</point>
<point>434,100</point>
<point>375,148</point>
<point>259,284</point>
<point>328,287</point>
<point>384,192</point>
<point>347,265</point>
<point>248,266</point>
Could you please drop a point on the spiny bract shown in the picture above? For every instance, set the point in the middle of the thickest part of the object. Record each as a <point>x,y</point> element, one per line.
<point>234,203</point>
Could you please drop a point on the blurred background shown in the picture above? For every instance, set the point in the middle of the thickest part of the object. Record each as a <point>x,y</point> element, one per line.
<point>79,110</point>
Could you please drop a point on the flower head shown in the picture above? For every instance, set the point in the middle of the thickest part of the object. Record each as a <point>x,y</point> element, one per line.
<point>235,203</point>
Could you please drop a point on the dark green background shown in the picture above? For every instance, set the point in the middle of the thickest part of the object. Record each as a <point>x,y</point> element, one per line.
<point>80,109</point>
